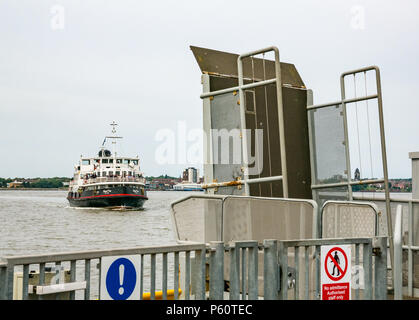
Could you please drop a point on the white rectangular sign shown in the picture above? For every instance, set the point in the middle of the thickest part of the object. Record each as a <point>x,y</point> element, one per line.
<point>120,278</point>
<point>335,272</point>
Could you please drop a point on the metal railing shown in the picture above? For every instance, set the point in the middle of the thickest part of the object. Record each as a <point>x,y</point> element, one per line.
<point>282,282</point>
<point>113,179</point>
<point>343,103</point>
<point>10,263</point>
<point>241,88</point>
<point>205,265</point>
<point>406,214</point>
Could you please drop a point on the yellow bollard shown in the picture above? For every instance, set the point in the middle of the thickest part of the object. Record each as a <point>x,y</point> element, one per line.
<point>159,295</point>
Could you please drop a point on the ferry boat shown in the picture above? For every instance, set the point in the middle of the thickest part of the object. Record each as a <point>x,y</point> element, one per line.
<point>108,180</point>
<point>187,186</point>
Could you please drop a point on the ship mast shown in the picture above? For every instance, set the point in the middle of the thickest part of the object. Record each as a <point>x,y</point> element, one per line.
<point>113,137</point>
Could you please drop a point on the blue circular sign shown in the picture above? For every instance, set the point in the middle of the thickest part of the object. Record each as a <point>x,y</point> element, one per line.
<point>121,279</point>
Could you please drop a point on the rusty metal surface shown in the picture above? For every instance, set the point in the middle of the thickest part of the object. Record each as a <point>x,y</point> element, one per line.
<point>221,63</point>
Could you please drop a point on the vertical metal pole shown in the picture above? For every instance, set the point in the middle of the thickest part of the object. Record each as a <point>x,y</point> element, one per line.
<point>307,273</point>
<point>281,123</point>
<point>164,276</point>
<point>297,272</point>
<point>176,276</point>
<point>253,272</point>
<point>234,273</point>
<point>41,277</point>
<point>397,269</point>
<point>200,270</point>
<point>270,270</point>
<point>244,287</point>
<point>384,160</point>
<point>217,271</point>
<point>3,278</point>
<point>153,277</point>
<point>367,259</point>
<point>25,282</point>
<point>380,269</point>
<point>346,136</point>
<point>100,273</point>
<point>73,277</point>
<point>142,278</point>
<point>243,126</point>
<point>357,266</point>
<point>87,279</point>
<point>9,280</point>
<point>410,253</point>
<point>187,274</point>
<point>317,255</point>
<point>283,261</point>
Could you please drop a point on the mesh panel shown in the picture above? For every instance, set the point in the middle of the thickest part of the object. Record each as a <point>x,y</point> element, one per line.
<point>348,220</point>
<point>327,138</point>
<point>259,219</point>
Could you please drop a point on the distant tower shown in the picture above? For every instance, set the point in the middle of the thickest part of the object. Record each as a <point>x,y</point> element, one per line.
<point>357,174</point>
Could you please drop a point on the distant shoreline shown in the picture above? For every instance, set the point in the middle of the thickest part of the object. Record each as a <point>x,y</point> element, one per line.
<point>35,189</point>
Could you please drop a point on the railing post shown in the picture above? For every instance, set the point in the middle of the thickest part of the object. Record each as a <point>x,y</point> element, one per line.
<point>367,260</point>
<point>3,282</point>
<point>234,273</point>
<point>380,268</point>
<point>270,270</point>
<point>216,280</point>
<point>283,261</point>
<point>9,282</point>
<point>397,266</point>
<point>199,274</point>
<point>253,272</point>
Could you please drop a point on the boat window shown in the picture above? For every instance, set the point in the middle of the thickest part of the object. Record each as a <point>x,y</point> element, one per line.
<point>104,160</point>
<point>98,174</point>
<point>97,160</point>
<point>126,161</point>
<point>129,173</point>
<point>117,173</point>
<point>111,173</point>
<point>135,162</point>
<point>110,160</point>
<point>103,173</point>
<point>118,160</point>
<point>85,162</point>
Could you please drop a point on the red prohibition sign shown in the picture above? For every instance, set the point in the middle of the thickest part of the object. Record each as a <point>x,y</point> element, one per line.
<point>342,272</point>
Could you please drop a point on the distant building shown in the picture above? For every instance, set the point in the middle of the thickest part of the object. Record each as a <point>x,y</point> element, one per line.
<point>357,174</point>
<point>161,183</point>
<point>15,184</point>
<point>190,175</point>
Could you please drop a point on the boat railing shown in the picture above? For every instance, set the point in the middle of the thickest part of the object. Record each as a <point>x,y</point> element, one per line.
<point>113,179</point>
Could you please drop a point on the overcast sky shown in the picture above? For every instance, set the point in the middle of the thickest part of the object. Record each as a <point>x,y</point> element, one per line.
<point>62,82</point>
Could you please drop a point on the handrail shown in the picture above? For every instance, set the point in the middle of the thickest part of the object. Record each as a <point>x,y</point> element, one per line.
<point>112,179</point>
<point>398,241</point>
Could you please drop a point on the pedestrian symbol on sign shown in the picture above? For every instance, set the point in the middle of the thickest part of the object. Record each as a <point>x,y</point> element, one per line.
<point>336,264</point>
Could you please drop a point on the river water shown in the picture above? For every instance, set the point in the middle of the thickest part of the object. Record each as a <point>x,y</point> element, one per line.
<point>40,222</point>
